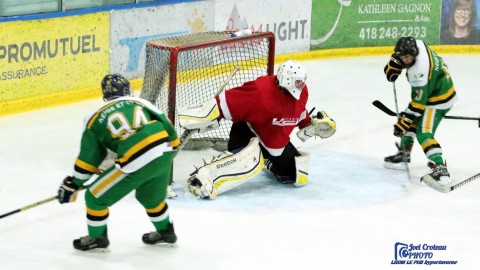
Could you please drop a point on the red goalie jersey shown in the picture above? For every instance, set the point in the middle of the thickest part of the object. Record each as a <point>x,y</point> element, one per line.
<point>271,113</point>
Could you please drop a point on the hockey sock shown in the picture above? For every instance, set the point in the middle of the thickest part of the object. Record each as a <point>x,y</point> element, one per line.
<point>162,225</point>
<point>437,158</point>
<point>159,216</point>
<point>96,231</point>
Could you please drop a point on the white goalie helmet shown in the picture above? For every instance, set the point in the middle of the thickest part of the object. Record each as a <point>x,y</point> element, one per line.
<point>292,76</point>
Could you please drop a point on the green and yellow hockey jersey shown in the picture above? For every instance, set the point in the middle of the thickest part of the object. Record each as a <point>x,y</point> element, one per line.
<point>431,83</point>
<point>132,128</point>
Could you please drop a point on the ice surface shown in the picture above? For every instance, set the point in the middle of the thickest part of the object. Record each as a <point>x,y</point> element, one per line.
<point>349,217</point>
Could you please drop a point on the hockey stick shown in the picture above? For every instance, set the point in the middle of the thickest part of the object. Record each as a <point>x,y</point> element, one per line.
<point>386,110</point>
<point>407,168</point>
<point>383,108</point>
<point>429,181</point>
<point>29,206</point>
<point>188,133</point>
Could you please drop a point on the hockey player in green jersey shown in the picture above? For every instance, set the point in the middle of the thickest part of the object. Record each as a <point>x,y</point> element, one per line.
<point>433,95</point>
<point>144,140</point>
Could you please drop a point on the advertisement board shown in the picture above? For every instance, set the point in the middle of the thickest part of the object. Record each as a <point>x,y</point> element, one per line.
<point>132,28</point>
<point>371,23</point>
<point>288,20</point>
<point>460,22</point>
<point>52,55</point>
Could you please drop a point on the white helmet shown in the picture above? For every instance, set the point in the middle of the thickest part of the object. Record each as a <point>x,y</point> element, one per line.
<point>292,76</point>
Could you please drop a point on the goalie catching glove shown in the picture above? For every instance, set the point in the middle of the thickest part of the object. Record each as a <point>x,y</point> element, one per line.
<point>405,121</point>
<point>321,125</point>
<point>394,68</point>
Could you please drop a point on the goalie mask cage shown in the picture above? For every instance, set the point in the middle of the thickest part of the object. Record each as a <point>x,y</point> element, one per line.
<point>188,70</point>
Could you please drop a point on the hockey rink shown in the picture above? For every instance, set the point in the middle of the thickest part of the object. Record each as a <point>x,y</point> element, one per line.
<point>351,215</point>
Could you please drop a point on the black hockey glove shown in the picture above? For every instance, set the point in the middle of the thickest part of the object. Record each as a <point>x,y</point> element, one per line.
<point>67,192</point>
<point>394,68</point>
<point>403,124</point>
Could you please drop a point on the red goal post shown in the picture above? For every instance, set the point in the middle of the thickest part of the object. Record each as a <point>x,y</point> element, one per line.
<point>187,70</point>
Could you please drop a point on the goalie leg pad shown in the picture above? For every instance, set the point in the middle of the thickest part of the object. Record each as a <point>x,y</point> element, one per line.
<point>228,172</point>
<point>202,117</point>
<point>301,166</point>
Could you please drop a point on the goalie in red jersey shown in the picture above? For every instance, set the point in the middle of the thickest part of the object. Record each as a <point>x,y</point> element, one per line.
<point>264,114</point>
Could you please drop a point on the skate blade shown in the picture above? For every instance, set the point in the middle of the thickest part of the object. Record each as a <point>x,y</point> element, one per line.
<point>171,197</point>
<point>94,251</point>
<point>395,166</point>
<point>164,245</point>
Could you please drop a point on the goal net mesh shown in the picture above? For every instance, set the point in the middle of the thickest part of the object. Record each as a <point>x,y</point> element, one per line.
<point>188,70</point>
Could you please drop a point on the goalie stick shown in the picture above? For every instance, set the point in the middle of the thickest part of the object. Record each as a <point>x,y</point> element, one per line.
<point>386,110</point>
<point>188,133</point>
<point>445,189</point>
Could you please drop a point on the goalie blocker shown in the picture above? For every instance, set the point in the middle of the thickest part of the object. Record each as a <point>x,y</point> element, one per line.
<point>203,117</point>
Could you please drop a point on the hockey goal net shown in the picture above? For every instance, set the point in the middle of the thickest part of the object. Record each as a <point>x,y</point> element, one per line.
<point>187,70</point>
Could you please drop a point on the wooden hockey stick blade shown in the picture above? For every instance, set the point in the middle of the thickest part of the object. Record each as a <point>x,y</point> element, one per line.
<point>29,206</point>
<point>383,108</point>
<point>429,181</point>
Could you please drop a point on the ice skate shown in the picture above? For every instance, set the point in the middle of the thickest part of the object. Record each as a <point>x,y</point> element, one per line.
<point>170,193</point>
<point>87,243</point>
<point>397,161</point>
<point>167,237</point>
<point>267,168</point>
<point>439,174</point>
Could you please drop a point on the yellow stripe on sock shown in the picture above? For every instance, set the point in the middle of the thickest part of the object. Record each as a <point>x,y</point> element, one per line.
<point>97,213</point>
<point>158,208</point>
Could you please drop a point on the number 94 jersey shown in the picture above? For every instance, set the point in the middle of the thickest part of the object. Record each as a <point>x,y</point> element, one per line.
<point>132,128</point>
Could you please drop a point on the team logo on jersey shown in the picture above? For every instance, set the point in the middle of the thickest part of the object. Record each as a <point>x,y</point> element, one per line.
<point>285,122</point>
<point>418,76</point>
